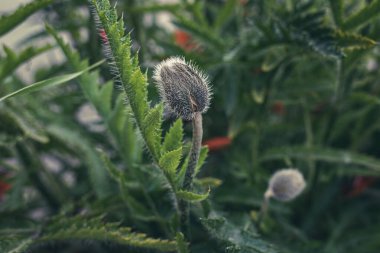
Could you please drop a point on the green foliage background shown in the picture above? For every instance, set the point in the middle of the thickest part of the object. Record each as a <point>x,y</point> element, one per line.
<point>295,84</point>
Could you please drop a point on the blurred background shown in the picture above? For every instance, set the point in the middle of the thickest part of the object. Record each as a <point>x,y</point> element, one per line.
<point>295,85</point>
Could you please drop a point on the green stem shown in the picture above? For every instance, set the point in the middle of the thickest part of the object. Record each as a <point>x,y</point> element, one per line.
<point>194,152</point>
<point>263,209</point>
<point>190,171</point>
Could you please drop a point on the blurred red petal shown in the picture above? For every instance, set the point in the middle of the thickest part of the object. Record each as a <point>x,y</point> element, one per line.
<point>4,187</point>
<point>360,184</point>
<point>278,108</point>
<point>217,143</point>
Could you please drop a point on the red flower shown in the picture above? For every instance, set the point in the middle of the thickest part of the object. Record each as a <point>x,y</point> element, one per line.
<point>217,143</point>
<point>184,40</point>
<point>4,187</point>
<point>278,108</point>
<point>359,185</point>
<point>103,35</point>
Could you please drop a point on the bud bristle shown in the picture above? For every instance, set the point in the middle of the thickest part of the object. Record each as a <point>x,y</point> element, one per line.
<point>285,185</point>
<point>183,87</point>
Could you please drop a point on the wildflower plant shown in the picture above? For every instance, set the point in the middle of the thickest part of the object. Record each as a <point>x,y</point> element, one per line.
<point>294,85</point>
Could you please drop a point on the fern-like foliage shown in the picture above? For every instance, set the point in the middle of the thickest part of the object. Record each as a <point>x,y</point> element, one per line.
<point>166,154</point>
<point>363,16</point>
<point>62,228</point>
<point>14,243</point>
<point>235,239</point>
<point>310,31</point>
<point>8,22</point>
<point>82,228</point>
<point>12,60</point>
<point>117,120</point>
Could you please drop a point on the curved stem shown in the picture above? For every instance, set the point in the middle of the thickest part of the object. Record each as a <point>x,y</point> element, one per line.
<point>190,171</point>
<point>194,152</point>
<point>264,208</point>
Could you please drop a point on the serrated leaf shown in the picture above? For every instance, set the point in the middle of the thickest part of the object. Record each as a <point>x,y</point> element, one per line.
<point>202,158</point>
<point>137,94</point>
<point>82,228</point>
<point>173,138</point>
<point>191,196</point>
<point>181,243</point>
<point>152,130</point>
<point>235,238</point>
<point>13,244</point>
<point>363,16</point>
<point>169,162</point>
<point>12,60</point>
<point>353,41</point>
<point>8,22</point>
<point>49,82</point>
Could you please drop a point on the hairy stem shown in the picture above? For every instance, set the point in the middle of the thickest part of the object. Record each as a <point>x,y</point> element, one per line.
<point>190,171</point>
<point>194,152</point>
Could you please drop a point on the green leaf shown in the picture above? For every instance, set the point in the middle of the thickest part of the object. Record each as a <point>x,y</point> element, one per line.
<point>137,210</point>
<point>191,196</point>
<point>323,154</point>
<point>13,119</point>
<point>365,98</point>
<point>112,170</point>
<point>169,162</point>
<point>202,158</point>
<point>12,60</point>
<point>235,238</point>
<point>73,138</point>
<point>363,16</point>
<point>82,228</point>
<point>173,139</point>
<point>200,32</point>
<point>8,22</point>
<point>352,41</point>
<point>337,11</point>
<point>49,82</point>
<point>224,14</point>
<point>138,98</point>
<point>152,130</point>
<point>13,244</point>
<point>104,98</point>
<point>181,243</point>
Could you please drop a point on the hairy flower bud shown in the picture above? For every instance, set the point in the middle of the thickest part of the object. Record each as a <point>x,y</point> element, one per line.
<point>285,185</point>
<point>183,88</point>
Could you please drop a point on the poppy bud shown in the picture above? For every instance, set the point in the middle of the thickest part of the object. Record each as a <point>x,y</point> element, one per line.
<point>285,185</point>
<point>183,88</point>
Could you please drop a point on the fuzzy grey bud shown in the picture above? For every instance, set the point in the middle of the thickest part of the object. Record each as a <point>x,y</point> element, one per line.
<point>183,88</point>
<point>285,185</point>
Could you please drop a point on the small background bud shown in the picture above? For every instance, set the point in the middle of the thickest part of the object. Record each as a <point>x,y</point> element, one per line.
<point>285,185</point>
<point>183,88</point>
